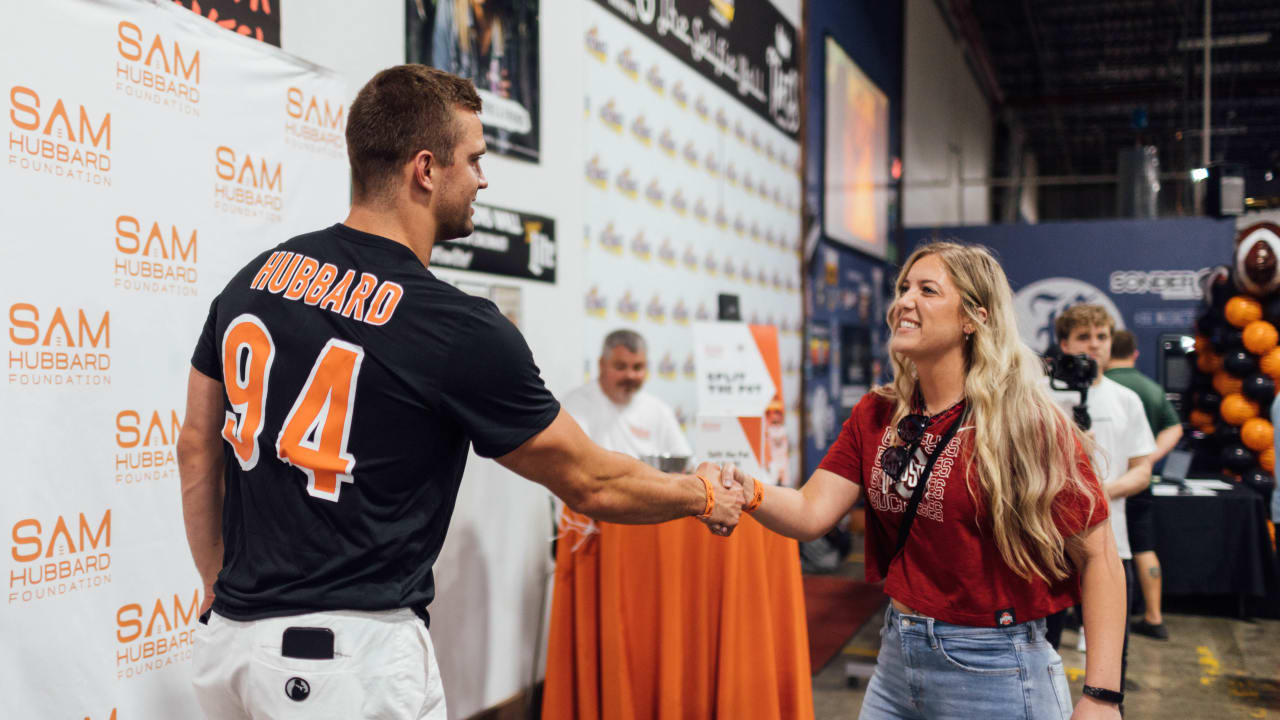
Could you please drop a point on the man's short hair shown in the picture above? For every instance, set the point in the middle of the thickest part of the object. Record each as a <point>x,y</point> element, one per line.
<point>1123,345</point>
<point>629,339</point>
<point>401,111</point>
<point>1084,314</point>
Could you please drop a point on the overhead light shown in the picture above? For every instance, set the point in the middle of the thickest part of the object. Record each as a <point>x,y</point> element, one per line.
<point>1267,176</point>
<point>1198,174</point>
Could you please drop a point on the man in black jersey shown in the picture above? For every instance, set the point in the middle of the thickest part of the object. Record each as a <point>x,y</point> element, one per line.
<point>333,394</point>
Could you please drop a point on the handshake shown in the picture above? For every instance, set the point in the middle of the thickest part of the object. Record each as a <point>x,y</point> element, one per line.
<point>730,491</point>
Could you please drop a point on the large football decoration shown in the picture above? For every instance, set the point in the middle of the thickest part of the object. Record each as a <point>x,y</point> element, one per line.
<point>1257,262</point>
<point>1235,356</point>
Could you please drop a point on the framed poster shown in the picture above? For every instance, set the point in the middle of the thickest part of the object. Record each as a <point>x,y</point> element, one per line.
<point>494,44</point>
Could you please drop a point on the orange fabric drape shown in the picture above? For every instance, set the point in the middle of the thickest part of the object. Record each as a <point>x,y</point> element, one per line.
<point>668,622</point>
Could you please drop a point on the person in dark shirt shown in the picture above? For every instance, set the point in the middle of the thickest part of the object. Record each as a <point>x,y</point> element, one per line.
<point>334,391</point>
<point>1167,427</point>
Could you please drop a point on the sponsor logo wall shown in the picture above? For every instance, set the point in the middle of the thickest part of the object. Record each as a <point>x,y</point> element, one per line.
<point>691,185</point>
<point>138,177</point>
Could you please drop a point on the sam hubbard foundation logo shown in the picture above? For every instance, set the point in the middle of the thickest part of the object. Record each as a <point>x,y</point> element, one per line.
<point>157,71</point>
<point>155,633</point>
<point>248,185</point>
<point>154,258</point>
<point>54,556</point>
<point>315,123</point>
<point>146,442</point>
<point>58,346</point>
<point>51,136</point>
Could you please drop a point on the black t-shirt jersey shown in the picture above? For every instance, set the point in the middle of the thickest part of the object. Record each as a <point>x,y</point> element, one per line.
<point>354,380</point>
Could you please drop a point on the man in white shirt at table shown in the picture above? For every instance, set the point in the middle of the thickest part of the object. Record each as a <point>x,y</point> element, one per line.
<point>617,414</point>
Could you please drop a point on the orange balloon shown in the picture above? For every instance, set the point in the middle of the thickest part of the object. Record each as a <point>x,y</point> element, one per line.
<point>1200,418</point>
<point>1267,459</point>
<point>1242,310</point>
<point>1257,434</point>
<point>1226,383</point>
<point>1260,337</point>
<point>1208,362</point>
<point>1203,345</point>
<point>1270,364</point>
<point>1236,409</point>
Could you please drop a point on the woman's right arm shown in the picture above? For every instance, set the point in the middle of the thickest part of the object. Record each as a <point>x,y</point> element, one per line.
<point>805,514</point>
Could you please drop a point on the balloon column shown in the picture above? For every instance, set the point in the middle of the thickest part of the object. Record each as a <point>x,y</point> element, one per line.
<point>1237,356</point>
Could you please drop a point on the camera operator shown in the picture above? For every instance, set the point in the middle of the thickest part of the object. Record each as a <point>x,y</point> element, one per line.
<point>1122,456</point>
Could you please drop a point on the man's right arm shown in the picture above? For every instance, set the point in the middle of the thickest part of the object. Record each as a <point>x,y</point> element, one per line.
<point>200,466</point>
<point>612,487</point>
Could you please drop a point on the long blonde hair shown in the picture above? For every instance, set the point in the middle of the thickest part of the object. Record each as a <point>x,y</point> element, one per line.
<point>1023,454</point>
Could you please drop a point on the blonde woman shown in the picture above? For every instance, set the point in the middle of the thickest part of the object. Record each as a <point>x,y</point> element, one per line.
<point>1009,523</point>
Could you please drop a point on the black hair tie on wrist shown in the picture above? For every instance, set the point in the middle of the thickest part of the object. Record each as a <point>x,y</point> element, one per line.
<point>1107,696</point>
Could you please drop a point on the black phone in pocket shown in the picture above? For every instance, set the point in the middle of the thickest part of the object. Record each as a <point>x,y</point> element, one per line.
<point>307,643</point>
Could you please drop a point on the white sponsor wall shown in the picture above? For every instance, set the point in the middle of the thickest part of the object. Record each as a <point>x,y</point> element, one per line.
<point>688,194</point>
<point>149,154</point>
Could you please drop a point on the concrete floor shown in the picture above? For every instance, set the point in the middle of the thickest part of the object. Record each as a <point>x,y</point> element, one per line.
<point>1212,667</point>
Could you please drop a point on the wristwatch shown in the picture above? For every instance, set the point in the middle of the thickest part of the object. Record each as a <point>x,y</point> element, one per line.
<point>1107,696</point>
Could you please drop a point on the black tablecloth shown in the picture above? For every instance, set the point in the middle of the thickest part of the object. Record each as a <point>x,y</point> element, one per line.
<point>1217,545</point>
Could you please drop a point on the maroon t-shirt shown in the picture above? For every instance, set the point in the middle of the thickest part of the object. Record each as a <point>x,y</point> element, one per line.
<point>950,568</point>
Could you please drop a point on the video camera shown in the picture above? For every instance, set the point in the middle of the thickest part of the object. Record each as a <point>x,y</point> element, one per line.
<point>1074,373</point>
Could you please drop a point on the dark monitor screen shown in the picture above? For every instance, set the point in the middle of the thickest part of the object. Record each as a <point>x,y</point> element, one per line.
<point>1175,362</point>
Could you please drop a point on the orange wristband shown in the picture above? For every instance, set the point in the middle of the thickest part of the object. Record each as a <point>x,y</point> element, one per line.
<point>757,496</point>
<point>711,498</point>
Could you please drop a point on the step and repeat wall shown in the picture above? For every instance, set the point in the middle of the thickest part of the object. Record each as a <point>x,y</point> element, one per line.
<point>692,185</point>
<point>149,154</point>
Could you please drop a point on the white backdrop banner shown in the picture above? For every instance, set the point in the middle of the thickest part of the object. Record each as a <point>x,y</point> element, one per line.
<point>150,154</point>
<point>689,194</point>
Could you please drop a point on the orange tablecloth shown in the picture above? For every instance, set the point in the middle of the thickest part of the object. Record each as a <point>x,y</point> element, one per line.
<point>668,622</point>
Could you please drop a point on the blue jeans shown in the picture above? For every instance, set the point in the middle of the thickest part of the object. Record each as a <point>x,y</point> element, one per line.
<point>932,670</point>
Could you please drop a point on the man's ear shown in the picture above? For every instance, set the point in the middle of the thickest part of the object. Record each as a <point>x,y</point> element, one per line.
<point>424,170</point>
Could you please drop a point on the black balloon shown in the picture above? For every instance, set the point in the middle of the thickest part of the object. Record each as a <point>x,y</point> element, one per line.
<point>1260,480</point>
<point>1202,382</point>
<point>1226,435</point>
<point>1209,401</point>
<point>1271,309</point>
<point>1259,388</point>
<point>1226,338</point>
<point>1237,458</point>
<point>1206,323</point>
<point>1240,363</point>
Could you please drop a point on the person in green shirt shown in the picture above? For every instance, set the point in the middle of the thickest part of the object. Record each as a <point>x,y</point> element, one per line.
<point>1167,427</point>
